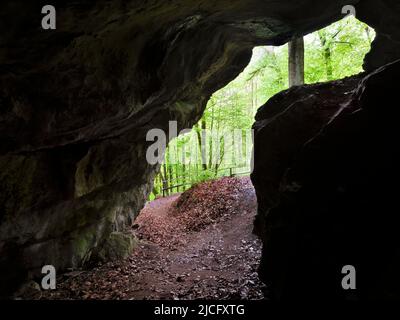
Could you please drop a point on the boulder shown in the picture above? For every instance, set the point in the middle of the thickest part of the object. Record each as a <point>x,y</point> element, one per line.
<point>332,201</point>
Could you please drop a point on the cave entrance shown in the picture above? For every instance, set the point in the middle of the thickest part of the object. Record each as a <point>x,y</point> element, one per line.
<point>195,233</point>
<point>220,144</point>
<point>201,211</point>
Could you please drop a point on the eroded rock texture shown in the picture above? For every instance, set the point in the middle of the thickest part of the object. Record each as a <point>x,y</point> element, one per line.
<point>76,103</point>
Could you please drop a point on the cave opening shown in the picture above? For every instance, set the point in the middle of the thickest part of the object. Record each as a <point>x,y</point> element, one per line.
<point>199,194</point>
<point>203,199</point>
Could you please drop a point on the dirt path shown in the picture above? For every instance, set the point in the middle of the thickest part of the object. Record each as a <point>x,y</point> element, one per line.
<point>218,262</point>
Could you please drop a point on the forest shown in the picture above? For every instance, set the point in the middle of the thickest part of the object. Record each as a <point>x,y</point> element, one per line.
<point>220,144</point>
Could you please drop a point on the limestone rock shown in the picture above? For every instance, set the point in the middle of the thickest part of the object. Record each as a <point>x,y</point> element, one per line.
<point>28,290</point>
<point>118,246</point>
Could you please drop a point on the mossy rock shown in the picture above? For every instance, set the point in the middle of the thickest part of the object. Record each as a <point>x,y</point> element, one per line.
<point>118,246</point>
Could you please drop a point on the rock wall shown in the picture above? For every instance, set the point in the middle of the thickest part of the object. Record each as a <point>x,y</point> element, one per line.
<point>76,103</point>
<point>327,189</point>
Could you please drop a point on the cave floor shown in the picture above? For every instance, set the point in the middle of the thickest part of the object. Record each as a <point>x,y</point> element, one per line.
<point>218,262</point>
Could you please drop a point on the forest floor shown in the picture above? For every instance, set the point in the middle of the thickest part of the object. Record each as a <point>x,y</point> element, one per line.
<point>195,245</point>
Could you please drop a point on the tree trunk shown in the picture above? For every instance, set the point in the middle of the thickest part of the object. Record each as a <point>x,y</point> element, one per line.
<point>164,180</point>
<point>296,62</point>
<point>328,63</point>
<point>170,176</point>
<point>210,147</point>
<point>326,47</point>
<point>202,140</point>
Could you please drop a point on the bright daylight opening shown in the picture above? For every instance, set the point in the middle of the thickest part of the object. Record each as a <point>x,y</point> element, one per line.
<point>220,144</point>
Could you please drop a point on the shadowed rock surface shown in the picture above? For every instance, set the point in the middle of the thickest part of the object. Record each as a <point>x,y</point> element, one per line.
<point>76,103</point>
<point>326,179</point>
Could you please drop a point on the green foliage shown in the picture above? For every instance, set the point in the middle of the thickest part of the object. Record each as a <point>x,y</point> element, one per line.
<point>348,41</point>
<point>334,52</point>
